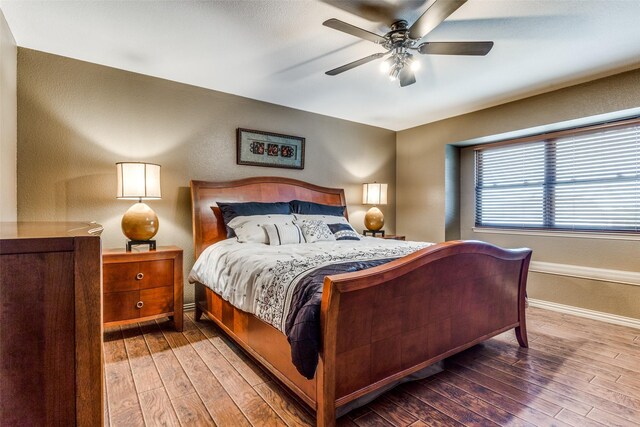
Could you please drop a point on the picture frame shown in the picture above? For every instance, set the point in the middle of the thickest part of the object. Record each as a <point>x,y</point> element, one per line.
<point>268,149</point>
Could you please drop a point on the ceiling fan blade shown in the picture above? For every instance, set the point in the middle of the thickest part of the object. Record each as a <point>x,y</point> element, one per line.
<point>455,48</point>
<point>353,30</point>
<point>433,16</point>
<point>354,64</point>
<point>406,77</point>
<point>376,10</point>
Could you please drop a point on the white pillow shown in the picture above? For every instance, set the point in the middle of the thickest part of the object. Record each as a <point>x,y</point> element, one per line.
<point>315,230</point>
<point>250,228</point>
<point>284,234</point>
<point>327,219</point>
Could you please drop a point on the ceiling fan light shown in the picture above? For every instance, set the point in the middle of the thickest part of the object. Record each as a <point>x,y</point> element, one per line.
<point>415,65</point>
<point>385,66</point>
<point>393,75</point>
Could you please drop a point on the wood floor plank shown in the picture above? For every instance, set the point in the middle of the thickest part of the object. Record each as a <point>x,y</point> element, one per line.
<point>416,407</point>
<point>105,397</point>
<point>221,407</point>
<point>251,372</point>
<point>561,356</point>
<point>575,339</point>
<point>173,377</point>
<point>345,421</point>
<point>586,352</point>
<point>529,387</point>
<point>157,408</point>
<point>284,405</point>
<point>257,411</point>
<point>518,408</point>
<point>576,420</point>
<point>372,419</point>
<point>610,393</point>
<point>610,330</point>
<point>392,412</point>
<point>627,380</point>
<point>124,407</point>
<point>459,413</point>
<point>629,390</point>
<point>506,353</point>
<point>629,359</point>
<point>145,374</point>
<point>630,412</point>
<point>191,411</point>
<point>476,404</point>
<point>582,323</point>
<point>530,398</point>
<point>609,419</point>
<point>590,336</point>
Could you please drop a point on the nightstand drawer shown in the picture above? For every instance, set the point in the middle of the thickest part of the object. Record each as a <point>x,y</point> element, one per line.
<point>129,276</point>
<point>156,301</point>
<point>121,306</point>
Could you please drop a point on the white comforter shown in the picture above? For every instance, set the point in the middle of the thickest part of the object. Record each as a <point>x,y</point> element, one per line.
<point>260,279</point>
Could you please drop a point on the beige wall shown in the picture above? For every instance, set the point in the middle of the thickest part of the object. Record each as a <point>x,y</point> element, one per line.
<point>8,123</point>
<point>422,211</point>
<point>75,120</point>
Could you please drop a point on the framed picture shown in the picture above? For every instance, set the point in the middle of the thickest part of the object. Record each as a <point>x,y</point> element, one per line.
<point>257,148</point>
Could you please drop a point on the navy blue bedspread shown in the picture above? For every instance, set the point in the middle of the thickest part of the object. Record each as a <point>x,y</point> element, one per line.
<point>303,322</point>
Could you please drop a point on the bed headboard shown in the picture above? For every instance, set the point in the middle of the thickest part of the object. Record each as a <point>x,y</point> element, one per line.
<point>208,227</point>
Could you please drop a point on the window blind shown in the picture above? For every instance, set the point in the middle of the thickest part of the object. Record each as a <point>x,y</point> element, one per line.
<point>581,180</point>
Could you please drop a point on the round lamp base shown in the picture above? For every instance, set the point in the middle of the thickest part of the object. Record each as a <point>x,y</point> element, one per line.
<point>374,219</point>
<point>140,222</point>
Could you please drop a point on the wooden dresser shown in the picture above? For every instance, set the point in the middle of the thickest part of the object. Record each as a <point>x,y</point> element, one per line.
<point>50,324</point>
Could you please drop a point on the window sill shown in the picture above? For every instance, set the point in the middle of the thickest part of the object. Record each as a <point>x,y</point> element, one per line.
<point>550,233</point>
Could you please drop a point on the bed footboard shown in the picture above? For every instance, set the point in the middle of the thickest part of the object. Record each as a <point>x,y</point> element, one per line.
<point>382,324</point>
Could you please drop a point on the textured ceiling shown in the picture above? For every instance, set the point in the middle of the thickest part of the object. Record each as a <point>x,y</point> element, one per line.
<point>277,50</point>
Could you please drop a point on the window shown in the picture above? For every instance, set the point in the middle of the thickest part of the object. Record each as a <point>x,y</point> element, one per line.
<point>581,179</point>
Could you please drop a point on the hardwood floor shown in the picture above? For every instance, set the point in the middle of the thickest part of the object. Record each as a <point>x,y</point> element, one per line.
<point>577,372</point>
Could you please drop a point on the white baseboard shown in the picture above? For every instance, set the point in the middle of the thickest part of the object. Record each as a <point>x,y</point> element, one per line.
<point>589,314</point>
<point>589,273</point>
<point>189,306</point>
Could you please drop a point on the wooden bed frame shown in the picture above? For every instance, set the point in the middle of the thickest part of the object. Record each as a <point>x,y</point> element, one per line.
<point>378,325</point>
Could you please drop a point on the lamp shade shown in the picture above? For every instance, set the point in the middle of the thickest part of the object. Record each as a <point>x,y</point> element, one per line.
<point>137,180</point>
<point>374,194</point>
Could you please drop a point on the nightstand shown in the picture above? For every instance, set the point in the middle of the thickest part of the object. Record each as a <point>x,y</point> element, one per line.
<point>140,286</point>
<point>393,237</point>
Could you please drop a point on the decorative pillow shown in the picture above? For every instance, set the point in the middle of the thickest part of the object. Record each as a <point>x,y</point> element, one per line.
<point>250,228</point>
<point>327,219</point>
<point>343,232</point>
<point>232,210</point>
<point>283,234</point>
<point>310,208</point>
<point>315,231</point>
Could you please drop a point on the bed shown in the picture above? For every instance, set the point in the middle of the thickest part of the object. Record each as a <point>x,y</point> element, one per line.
<point>378,325</point>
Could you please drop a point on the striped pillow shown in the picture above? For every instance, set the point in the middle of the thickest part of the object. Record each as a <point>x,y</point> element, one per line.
<point>283,234</point>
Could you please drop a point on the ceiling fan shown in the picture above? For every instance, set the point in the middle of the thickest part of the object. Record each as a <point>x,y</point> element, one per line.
<point>401,42</point>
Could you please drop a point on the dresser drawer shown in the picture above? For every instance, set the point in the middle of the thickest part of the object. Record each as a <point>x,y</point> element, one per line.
<point>121,306</point>
<point>156,301</point>
<point>129,276</point>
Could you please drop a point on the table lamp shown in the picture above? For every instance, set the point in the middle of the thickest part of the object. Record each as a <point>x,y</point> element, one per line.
<point>138,181</point>
<point>374,194</point>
